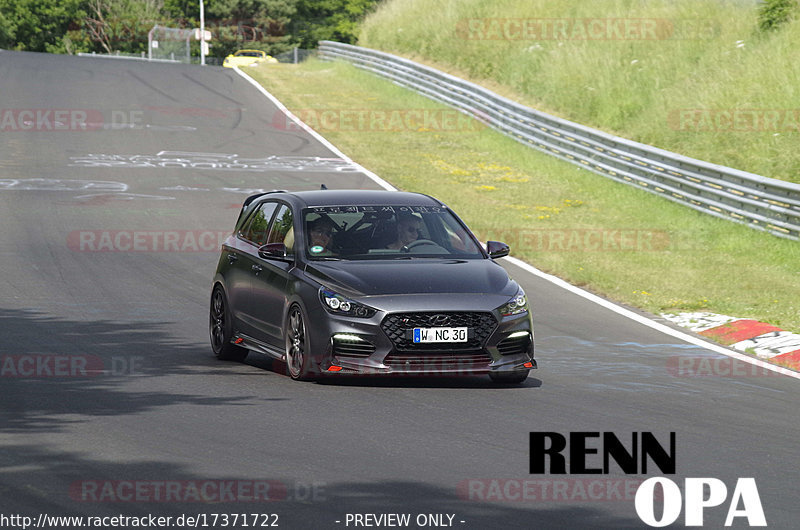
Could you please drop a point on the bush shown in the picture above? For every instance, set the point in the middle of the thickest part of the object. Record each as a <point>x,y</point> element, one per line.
<point>775,13</point>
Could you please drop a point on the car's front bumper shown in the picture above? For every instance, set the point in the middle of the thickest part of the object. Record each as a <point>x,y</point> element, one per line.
<point>348,346</point>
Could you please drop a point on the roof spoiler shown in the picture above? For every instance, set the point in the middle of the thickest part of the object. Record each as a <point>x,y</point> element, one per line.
<point>251,198</point>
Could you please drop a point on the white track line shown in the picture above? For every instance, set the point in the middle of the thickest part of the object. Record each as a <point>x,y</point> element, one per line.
<point>379,181</point>
<point>651,323</point>
<point>536,272</point>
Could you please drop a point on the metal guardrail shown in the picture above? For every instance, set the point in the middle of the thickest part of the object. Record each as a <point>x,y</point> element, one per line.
<point>759,202</point>
<point>141,57</point>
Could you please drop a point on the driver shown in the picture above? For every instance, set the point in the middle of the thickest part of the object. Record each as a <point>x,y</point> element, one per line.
<point>320,233</point>
<point>408,230</point>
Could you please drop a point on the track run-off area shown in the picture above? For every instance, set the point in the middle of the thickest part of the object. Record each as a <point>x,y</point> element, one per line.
<point>119,179</point>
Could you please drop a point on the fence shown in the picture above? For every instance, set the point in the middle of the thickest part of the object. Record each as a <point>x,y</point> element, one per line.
<point>169,43</point>
<point>760,202</point>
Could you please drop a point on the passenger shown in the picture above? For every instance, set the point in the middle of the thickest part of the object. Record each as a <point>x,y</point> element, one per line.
<point>320,232</point>
<point>408,231</point>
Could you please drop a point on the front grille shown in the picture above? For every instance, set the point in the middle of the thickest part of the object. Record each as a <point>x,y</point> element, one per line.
<point>436,362</point>
<point>515,345</point>
<point>357,349</point>
<point>399,328</point>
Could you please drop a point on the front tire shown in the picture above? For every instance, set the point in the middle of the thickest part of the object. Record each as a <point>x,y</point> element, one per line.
<point>220,329</point>
<point>297,346</point>
<point>509,378</point>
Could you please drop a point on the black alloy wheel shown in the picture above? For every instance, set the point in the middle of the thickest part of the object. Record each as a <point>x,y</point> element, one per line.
<point>297,360</point>
<point>220,328</point>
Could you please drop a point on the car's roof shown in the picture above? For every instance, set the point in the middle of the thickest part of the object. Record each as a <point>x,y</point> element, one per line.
<point>359,197</point>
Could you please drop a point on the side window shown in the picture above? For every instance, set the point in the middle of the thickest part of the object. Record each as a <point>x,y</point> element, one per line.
<point>281,230</point>
<point>255,230</point>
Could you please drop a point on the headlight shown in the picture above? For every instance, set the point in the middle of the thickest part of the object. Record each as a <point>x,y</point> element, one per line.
<point>518,304</point>
<point>339,305</point>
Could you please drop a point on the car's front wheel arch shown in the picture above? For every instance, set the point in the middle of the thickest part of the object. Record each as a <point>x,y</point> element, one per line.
<point>298,343</point>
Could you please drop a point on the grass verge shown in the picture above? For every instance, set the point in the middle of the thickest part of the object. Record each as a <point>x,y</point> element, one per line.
<point>697,78</point>
<point>615,240</point>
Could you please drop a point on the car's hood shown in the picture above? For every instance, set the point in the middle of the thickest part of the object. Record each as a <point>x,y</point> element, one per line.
<point>413,276</point>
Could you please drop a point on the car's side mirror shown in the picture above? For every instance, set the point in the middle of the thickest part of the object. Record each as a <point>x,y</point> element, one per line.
<point>496,249</point>
<point>273,251</point>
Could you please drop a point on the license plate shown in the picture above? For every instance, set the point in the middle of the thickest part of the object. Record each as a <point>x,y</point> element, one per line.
<point>440,335</point>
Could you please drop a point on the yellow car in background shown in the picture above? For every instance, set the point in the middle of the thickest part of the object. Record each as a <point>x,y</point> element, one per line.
<point>248,58</point>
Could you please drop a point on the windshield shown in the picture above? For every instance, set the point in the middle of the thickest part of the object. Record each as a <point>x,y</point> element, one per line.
<point>386,232</point>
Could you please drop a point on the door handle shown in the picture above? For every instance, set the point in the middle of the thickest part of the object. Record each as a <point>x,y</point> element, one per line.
<point>232,258</point>
<point>257,268</point>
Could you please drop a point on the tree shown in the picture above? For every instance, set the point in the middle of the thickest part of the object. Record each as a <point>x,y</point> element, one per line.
<point>184,9</point>
<point>329,20</point>
<point>107,26</point>
<point>255,24</point>
<point>37,25</point>
<point>121,25</point>
<point>7,32</point>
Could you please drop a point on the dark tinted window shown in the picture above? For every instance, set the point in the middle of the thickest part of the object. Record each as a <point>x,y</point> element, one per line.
<point>281,230</point>
<point>255,229</point>
<point>387,232</point>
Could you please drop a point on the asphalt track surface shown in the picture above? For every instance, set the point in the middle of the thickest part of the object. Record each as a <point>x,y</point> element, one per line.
<point>159,407</point>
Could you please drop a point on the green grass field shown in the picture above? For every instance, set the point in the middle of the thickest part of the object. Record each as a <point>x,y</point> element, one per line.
<point>615,240</point>
<point>694,77</point>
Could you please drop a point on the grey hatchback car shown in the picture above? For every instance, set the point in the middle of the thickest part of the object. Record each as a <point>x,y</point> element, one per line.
<point>344,282</point>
